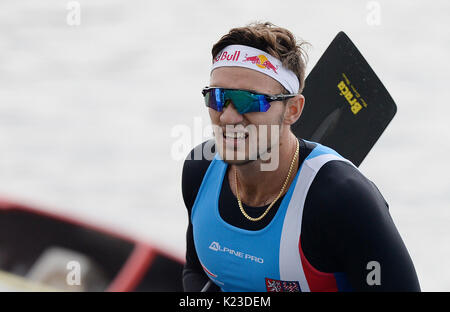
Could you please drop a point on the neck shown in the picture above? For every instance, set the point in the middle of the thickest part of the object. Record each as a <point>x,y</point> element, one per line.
<point>257,187</point>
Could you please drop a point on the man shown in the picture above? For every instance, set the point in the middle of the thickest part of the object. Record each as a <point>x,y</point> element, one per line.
<point>271,212</point>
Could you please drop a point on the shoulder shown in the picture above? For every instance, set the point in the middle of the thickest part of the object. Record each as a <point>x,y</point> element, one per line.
<point>194,168</point>
<point>348,180</point>
<point>344,193</point>
<point>199,159</point>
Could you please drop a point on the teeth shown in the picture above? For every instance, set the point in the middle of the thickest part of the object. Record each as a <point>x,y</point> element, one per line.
<point>230,135</point>
<point>235,135</point>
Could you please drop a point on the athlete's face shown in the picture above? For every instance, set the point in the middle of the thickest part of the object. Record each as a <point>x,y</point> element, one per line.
<point>247,137</point>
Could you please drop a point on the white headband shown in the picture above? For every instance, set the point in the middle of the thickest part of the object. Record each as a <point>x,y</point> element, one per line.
<point>249,57</point>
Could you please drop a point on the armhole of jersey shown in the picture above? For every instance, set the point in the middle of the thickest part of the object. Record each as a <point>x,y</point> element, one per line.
<point>202,186</point>
<point>305,273</point>
<point>318,280</point>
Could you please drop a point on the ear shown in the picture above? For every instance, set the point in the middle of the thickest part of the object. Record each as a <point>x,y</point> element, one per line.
<point>294,108</point>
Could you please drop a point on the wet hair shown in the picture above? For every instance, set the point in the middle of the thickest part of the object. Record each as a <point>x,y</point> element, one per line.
<point>277,41</point>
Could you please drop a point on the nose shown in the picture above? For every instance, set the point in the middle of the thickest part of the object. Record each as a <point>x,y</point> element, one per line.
<point>230,116</point>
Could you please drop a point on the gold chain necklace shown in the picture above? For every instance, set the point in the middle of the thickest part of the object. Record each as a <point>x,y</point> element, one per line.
<point>279,194</point>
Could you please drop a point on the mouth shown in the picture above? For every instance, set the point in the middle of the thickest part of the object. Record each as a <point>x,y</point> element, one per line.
<point>234,138</point>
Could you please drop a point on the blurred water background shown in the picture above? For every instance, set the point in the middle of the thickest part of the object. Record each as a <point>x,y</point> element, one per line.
<point>88,112</point>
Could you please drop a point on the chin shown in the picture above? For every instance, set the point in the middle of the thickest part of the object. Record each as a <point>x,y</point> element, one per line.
<point>233,157</point>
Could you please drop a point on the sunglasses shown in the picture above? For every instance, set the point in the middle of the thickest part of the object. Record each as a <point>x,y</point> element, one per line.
<point>244,101</point>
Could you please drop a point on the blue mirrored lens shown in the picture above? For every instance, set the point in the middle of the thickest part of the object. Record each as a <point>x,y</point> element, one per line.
<point>243,101</point>
<point>214,99</point>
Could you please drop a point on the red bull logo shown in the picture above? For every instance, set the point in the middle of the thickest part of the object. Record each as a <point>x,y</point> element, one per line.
<point>226,56</point>
<point>261,61</point>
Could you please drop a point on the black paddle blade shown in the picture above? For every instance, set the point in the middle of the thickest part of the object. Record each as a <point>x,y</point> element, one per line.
<point>346,106</point>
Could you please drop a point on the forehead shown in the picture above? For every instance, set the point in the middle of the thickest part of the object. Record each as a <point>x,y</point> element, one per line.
<point>234,77</point>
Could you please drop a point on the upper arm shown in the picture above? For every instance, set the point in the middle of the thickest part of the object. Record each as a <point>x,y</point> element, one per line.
<point>359,230</point>
<point>194,169</point>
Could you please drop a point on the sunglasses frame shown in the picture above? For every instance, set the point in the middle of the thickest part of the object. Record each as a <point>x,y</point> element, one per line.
<point>269,98</point>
